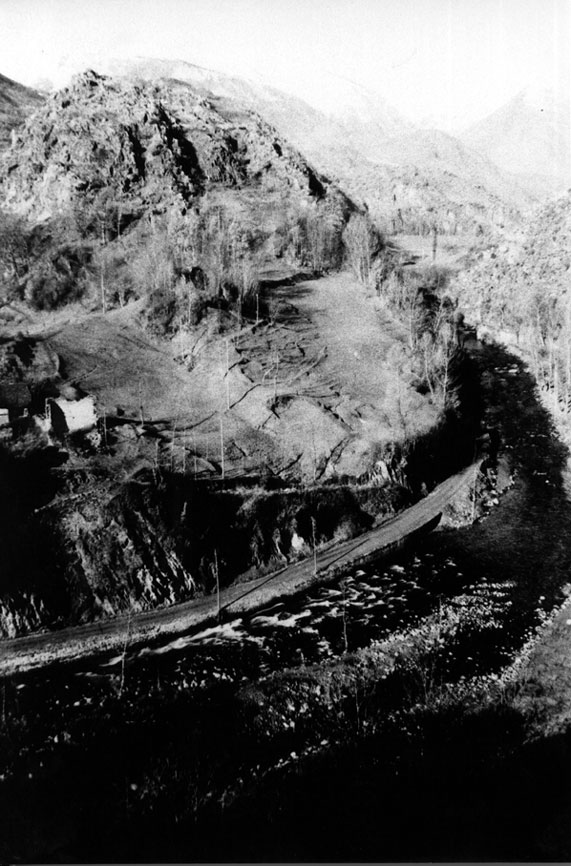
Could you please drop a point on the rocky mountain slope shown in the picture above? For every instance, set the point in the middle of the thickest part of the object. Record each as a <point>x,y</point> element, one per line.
<point>358,114</point>
<point>428,180</point>
<point>150,144</point>
<point>410,178</point>
<point>530,137</point>
<point>523,278</point>
<point>16,103</point>
<point>109,173</point>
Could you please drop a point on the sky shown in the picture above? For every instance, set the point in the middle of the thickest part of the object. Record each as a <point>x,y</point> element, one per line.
<point>447,62</point>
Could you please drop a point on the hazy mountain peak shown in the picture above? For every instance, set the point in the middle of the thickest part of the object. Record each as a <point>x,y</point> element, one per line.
<point>343,98</point>
<point>529,136</point>
<point>541,95</point>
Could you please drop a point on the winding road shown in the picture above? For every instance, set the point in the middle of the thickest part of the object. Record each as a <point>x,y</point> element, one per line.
<point>72,643</point>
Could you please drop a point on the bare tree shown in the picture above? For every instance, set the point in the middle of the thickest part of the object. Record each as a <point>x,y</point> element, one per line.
<point>360,244</point>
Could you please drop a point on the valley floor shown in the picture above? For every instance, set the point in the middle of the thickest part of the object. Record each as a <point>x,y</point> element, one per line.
<point>315,390</point>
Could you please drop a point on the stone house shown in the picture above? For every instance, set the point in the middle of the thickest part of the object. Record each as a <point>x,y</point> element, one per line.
<point>72,416</point>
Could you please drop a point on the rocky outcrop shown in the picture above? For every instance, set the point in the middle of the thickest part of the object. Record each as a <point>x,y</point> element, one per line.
<point>150,147</point>
<point>114,190</point>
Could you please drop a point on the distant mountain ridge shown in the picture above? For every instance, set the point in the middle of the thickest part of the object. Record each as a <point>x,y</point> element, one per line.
<point>530,137</point>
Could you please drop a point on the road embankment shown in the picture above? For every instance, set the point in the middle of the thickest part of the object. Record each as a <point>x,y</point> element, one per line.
<point>80,642</point>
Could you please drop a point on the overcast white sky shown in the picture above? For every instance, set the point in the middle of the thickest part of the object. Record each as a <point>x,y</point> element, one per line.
<point>452,60</point>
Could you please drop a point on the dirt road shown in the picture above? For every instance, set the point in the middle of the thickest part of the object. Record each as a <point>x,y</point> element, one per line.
<point>72,643</point>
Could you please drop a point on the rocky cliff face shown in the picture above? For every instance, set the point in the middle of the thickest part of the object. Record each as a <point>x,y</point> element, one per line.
<point>108,549</point>
<point>125,189</point>
<point>95,553</point>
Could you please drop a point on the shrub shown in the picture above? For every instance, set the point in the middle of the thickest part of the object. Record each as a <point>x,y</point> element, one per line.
<point>57,281</point>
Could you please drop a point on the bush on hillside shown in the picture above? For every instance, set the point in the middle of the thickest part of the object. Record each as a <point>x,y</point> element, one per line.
<point>181,263</point>
<point>53,284</point>
<point>45,264</point>
<point>15,249</point>
<point>214,255</point>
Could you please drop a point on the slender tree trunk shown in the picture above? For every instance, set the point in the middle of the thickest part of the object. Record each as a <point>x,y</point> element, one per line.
<point>314,546</point>
<point>124,654</point>
<point>227,374</point>
<point>222,447</point>
<point>345,641</point>
<point>102,271</point>
<point>217,577</point>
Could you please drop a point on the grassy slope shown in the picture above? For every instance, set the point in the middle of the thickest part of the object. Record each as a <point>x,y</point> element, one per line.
<point>311,387</point>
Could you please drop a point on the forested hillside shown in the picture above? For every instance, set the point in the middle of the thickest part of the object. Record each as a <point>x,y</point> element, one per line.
<point>520,288</point>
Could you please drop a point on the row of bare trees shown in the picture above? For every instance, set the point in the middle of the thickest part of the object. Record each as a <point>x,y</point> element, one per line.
<point>535,313</point>
<point>412,297</point>
<point>105,248</point>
